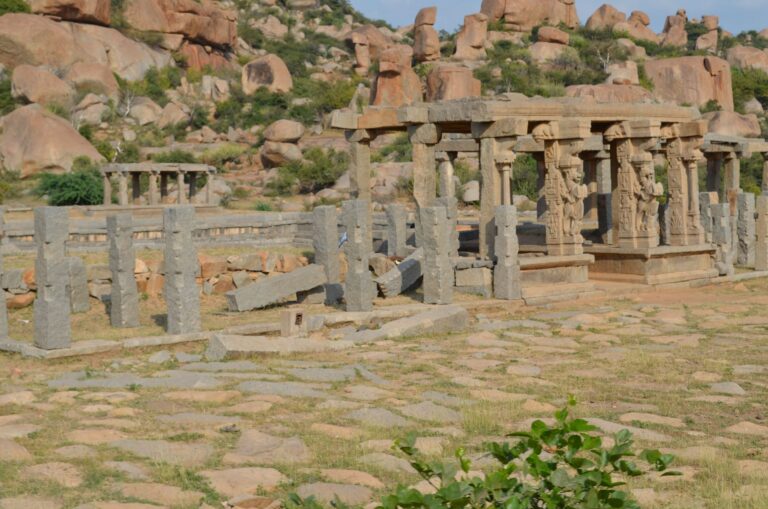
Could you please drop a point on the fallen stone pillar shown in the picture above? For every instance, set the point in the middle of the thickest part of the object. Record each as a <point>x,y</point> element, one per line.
<point>397,231</point>
<point>124,301</point>
<point>506,271</point>
<point>325,239</point>
<point>447,319</point>
<point>438,268</point>
<point>182,296</point>
<point>51,314</point>
<point>359,289</point>
<point>402,277</point>
<point>276,289</point>
<point>761,246</point>
<point>723,238</point>
<point>745,228</point>
<point>79,296</point>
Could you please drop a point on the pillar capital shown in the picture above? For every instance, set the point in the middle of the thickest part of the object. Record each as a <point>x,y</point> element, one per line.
<point>426,134</point>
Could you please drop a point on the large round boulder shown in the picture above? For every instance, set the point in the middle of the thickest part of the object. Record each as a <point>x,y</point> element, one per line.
<point>692,80</point>
<point>92,77</point>
<point>284,131</point>
<point>605,17</point>
<point>274,154</point>
<point>729,123</point>
<point>39,85</point>
<point>268,71</point>
<point>34,140</point>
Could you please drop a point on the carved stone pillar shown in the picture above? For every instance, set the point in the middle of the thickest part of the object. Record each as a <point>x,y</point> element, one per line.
<point>445,170</point>
<point>122,189</point>
<point>154,199</point>
<point>683,144</point>
<point>504,161</point>
<point>563,187</point>
<point>360,164</point>
<point>423,139</point>
<point>209,188</point>
<point>635,206</point>
<point>107,189</point>
<point>732,180</point>
<point>180,185</point>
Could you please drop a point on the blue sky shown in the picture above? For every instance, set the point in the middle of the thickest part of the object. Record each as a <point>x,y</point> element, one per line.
<point>735,15</point>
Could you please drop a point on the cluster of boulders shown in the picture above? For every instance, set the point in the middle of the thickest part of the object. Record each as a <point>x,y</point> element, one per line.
<point>217,275</point>
<point>281,145</point>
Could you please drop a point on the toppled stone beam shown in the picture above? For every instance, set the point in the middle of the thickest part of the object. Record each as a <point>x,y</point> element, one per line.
<point>434,321</point>
<point>275,289</point>
<point>402,277</point>
<point>227,347</point>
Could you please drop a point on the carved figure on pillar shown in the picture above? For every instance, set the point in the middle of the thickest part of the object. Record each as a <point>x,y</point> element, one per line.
<point>647,191</point>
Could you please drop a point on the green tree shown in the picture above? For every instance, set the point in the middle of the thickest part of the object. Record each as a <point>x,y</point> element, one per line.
<point>81,186</point>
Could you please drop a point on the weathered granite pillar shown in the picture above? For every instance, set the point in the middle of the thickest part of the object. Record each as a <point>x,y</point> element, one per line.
<point>451,206</point>
<point>163,186</point>
<point>732,180</point>
<point>107,188</point>
<point>182,188</point>
<point>490,195</point>
<point>437,266</point>
<point>604,197</point>
<point>359,288</point>
<point>706,200</point>
<point>504,163</point>
<point>590,180</point>
<point>182,296</point>
<point>325,238</point>
<point>209,196</point>
<point>192,186</point>
<point>124,300</point>
<point>122,189</point>
<point>423,138</point>
<point>683,143</point>
<point>563,186</point>
<point>745,228</point>
<point>52,307</point>
<point>397,230</point>
<point>761,246</point>
<point>360,164</point>
<point>764,184</point>
<point>722,238</point>
<point>135,187</point>
<point>154,197</point>
<point>714,172</point>
<point>79,296</point>
<point>506,271</point>
<point>446,172</point>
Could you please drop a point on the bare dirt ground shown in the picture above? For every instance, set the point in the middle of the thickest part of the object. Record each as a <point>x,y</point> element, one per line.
<point>684,370</point>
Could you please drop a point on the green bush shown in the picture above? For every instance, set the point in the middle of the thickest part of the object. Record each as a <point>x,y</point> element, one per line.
<point>225,154</point>
<point>749,83</point>
<point>7,6</point>
<point>7,102</point>
<point>711,106</point>
<point>155,83</point>
<point>318,170</point>
<point>82,186</point>
<point>401,148</point>
<point>525,177</point>
<point>175,156</point>
<point>262,206</point>
<point>563,466</point>
<point>9,185</point>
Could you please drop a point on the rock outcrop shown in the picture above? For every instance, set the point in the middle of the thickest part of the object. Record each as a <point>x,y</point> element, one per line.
<point>81,11</point>
<point>377,41</point>
<point>610,93</point>
<point>39,85</point>
<point>494,9</point>
<point>708,41</point>
<point>523,15</point>
<point>692,80</point>
<point>470,41</point>
<point>448,82</point>
<point>397,84</point>
<point>362,51</point>
<point>543,53</point>
<point>34,140</point>
<point>552,34</point>
<point>747,57</point>
<point>730,123</point>
<point>605,17</point>
<point>674,30</point>
<point>637,26</point>
<point>94,78</point>
<point>426,41</point>
<point>623,73</point>
<point>268,71</point>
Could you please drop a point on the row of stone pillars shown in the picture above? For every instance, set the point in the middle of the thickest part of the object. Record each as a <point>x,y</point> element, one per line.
<point>158,186</point>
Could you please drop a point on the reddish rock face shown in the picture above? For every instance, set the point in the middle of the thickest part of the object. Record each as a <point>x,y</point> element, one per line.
<point>746,57</point>
<point>448,82</point>
<point>199,58</point>
<point>552,34</point>
<point>426,41</point>
<point>674,31</point>
<point>95,77</point>
<point>610,93</point>
<point>523,15</point>
<point>82,11</point>
<point>470,42</point>
<point>38,85</point>
<point>268,71</point>
<point>692,80</point>
<point>494,9</point>
<point>730,123</point>
<point>606,16</point>
<point>377,41</point>
<point>396,85</point>
<point>637,27</point>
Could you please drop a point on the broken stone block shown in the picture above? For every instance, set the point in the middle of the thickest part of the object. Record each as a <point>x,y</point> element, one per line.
<point>434,321</point>
<point>276,289</point>
<point>475,280</point>
<point>402,277</point>
<point>293,323</point>
<point>226,347</point>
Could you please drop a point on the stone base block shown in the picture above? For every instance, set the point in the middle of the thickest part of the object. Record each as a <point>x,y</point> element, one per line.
<point>653,266</point>
<point>475,281</point>
<point>555,278</point>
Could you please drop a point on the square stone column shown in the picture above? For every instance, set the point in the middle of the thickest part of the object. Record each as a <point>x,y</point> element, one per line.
<point>182,188</point>
<point>490,195</point>
<point>397,230</point>
<point>124,299</point>
<point>683,143</point>
<point>122,189</point>
<point>706,200</point>
<point>604,198</point>
<point>745,228</point>
<point>764,184</point>
<point>325,238</point>
<point>732,180</point>
<point>761,246</point>
<point>182,296</point>
<point>52,304</point>
<point>360,163</point>
<point>209,199</point>
<point>723,239</point>
<point>446,175</point>
<point>107,189</point>
<point>451,206</point>
<point>163,186</point>
<point>506,270</point>
<point>424,138</point>
<point>634,201</point>
<point>154,196</point>
<point>3,309</point>
<point>563,187</point>
<point>714,172</point>
<point>359,288</point>
<point>79,296</point>
<point>437,267</point>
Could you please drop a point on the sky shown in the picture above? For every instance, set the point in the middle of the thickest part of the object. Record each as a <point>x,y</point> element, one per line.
<point>735,15</point>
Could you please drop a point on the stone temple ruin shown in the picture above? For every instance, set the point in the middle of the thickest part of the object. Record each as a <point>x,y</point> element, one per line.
<point>603,218</point>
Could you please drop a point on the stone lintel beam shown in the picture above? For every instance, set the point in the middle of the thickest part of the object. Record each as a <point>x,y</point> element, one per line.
<point>413,115</point>
<point>633,129</point>
<point>466,145</point>
<point>504,128</point>
<point>344,119</point>
<point>696,129</point>
<point>425,134</point>
<point>526,144</point>
<point>566,129</point>
<point>379,118</point>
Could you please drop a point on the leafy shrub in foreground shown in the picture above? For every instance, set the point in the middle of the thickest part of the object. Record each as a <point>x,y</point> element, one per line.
<point>318,170</point>
<point>82,186</point>
<point>561,466</point>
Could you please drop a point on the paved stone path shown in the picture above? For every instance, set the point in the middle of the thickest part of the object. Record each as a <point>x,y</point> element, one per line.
<point>684,370</point>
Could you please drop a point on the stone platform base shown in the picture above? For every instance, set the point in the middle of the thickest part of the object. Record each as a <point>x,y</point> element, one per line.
<point>548,279</point>
<point>653,266</point>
